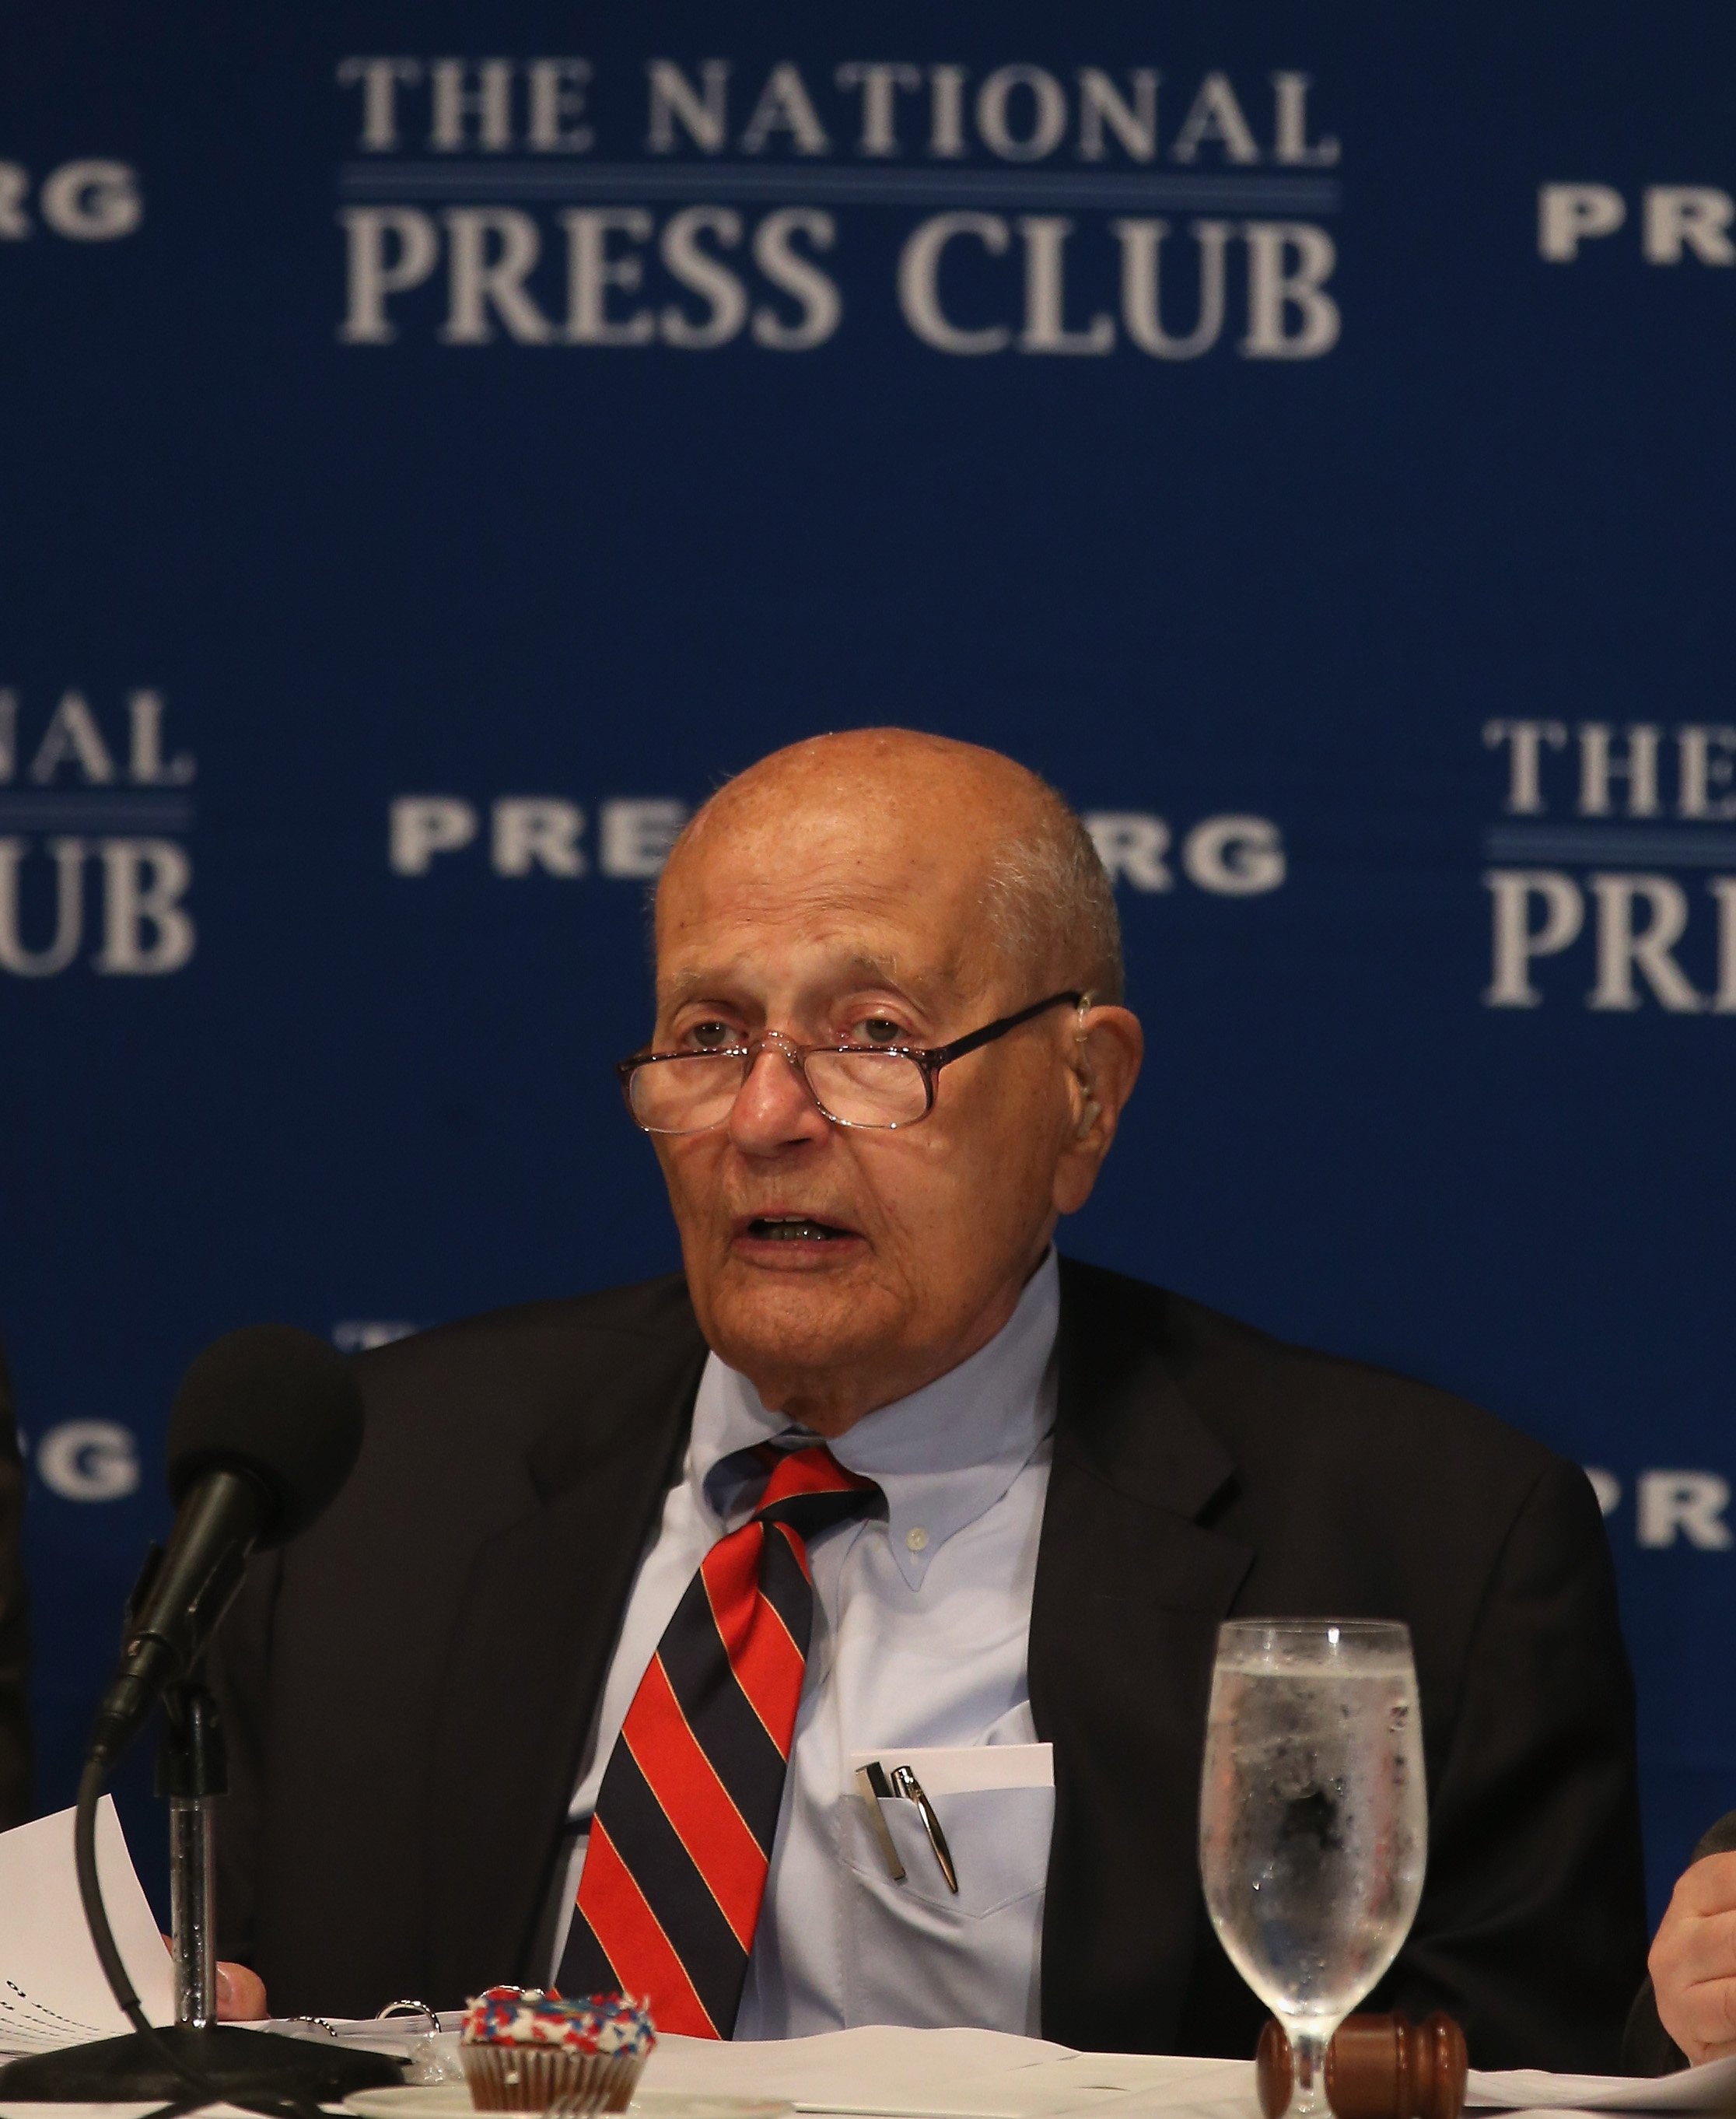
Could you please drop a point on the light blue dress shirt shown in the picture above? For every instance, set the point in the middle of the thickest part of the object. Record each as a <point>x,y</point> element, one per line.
<point>921,1628</point>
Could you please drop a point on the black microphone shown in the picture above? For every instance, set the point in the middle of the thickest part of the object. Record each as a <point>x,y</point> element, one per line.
<point>265,1429</point>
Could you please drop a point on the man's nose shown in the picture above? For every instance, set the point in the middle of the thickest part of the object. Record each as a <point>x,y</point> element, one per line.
<point>773,1109</point>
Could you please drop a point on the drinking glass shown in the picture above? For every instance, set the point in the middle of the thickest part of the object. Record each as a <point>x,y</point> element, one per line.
<point>1313,1818</point>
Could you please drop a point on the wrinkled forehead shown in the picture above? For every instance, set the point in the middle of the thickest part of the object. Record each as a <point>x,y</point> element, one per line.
<point>883,896</point>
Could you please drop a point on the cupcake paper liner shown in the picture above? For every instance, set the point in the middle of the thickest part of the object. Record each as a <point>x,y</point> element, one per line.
<point>528,2078</point>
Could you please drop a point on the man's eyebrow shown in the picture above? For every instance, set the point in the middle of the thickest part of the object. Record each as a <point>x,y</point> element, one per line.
<point>684,986</point>
<point>881,971</point>
<point>858,971</point>
<point>935,988</point>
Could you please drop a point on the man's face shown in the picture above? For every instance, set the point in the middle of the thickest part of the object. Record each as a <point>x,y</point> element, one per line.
<point>841,1268</point>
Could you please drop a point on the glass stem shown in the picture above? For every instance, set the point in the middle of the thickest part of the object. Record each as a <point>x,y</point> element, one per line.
<point>1307,2074</point>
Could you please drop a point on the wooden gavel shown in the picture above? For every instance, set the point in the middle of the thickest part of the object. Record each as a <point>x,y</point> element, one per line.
<point>1377,2067</point>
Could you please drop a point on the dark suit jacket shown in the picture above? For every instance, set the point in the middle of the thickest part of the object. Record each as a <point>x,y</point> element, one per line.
<point>408,1688</point>
<point>1647,2048</point>
<point>14,1638</point>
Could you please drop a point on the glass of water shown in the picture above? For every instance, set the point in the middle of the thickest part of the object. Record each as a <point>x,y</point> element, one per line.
<point>1313,1818</point>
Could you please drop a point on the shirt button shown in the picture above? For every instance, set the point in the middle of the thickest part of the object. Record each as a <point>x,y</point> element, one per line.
<point>916,1538</point>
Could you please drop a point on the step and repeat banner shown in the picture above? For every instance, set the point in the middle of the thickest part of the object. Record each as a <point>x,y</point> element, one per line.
<point>442,442</point>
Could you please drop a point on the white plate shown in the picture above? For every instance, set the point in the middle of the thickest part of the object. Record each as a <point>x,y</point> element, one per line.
<point>451,2100</point>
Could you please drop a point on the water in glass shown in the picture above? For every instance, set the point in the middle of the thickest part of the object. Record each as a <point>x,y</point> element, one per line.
<point>1313,1818</point>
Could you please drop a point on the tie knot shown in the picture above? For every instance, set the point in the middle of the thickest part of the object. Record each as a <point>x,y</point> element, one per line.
<point>810,1490</point>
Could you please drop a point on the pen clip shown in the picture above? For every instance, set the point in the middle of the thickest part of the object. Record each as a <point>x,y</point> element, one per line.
<point>908,1786</point>
<point>871,1779</point>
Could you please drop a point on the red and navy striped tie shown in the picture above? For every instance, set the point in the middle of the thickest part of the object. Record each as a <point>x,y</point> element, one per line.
<point>675,1870</point>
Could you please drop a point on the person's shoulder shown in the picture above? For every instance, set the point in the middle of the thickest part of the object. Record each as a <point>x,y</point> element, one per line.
<point>513,1367</point>
<point>642,1310</point>
<point>1271,1400</point>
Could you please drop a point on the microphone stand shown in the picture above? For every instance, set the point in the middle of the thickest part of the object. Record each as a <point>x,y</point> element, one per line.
<point>191,1773</point>
<point>198,2061</point>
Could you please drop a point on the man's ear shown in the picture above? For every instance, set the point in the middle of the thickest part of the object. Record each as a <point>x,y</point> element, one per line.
<point>1110,1047</point>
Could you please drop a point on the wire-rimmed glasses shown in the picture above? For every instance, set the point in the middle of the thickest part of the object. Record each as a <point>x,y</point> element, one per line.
<point>880,1087</point>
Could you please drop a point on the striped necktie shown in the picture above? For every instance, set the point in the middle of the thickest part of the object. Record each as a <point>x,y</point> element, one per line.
<point>675,1870</point>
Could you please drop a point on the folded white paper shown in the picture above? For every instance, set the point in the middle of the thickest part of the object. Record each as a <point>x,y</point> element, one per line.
<point>963,1769</point>
<point>1709,2088</point>
<point>904,2074</point>
<point>52,1989</point>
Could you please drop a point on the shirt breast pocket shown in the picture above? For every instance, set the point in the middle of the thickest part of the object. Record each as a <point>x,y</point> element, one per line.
<point>916,1952</point>
<point>993,1808</point>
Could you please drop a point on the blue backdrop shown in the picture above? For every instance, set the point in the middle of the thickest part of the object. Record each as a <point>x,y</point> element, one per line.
<point>441,442</point>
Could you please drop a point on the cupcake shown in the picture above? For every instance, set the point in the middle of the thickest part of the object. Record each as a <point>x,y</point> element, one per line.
<point>524,2050</point>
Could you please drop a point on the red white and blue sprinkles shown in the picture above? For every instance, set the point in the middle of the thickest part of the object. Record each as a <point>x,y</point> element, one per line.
<point>606,2023</point>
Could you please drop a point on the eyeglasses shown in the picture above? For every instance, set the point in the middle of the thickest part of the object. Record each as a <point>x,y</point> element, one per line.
<point>878,1086</point>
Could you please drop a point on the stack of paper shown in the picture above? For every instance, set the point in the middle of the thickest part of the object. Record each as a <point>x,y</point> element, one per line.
<point>899,2074</point>
<point>1709,2088</point>
<point>52,1989</point>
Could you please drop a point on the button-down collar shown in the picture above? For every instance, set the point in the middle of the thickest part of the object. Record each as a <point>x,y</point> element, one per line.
<point>942,1457</point>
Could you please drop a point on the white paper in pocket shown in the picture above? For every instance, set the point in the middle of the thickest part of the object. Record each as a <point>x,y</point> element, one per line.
<point>954,1768</point>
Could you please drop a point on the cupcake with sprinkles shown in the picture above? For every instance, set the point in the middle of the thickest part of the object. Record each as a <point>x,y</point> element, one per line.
<point>524,2049</point>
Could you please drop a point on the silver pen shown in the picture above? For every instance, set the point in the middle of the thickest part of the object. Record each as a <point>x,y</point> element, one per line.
<point>911,1789</point>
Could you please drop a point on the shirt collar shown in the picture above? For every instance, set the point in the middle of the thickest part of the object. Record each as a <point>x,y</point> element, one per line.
<point>942,1457</point>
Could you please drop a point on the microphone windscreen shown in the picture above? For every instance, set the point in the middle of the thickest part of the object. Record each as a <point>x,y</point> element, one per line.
<point>278,1404</point>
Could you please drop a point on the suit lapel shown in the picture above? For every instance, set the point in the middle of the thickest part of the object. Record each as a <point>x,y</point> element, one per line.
<point>1130,1590</point>
<point>538,1620</point>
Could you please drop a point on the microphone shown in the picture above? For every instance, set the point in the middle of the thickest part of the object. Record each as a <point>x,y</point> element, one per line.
<point>265,1429</point>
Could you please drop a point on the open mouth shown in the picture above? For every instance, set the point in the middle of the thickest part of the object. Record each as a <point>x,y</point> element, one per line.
<point>795,1229</point>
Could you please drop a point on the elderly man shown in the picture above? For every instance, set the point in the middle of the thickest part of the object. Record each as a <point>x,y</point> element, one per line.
<point>823,1637</point>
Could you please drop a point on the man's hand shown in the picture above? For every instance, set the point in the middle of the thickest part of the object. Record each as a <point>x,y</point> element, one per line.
<point>1693,1960</point>
<point>240,1994</point>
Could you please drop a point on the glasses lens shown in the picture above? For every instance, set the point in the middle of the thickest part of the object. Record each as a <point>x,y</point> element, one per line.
<point>685,1094</point>
<point>868,1088</point>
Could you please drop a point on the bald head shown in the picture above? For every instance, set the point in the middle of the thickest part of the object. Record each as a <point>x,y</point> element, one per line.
<point>878,894</point>
<point>1047,906</point>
